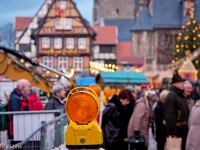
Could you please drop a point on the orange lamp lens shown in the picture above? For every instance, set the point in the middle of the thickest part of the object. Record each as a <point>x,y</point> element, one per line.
<point>82,108</point>
<point>107,93</point>
<point>96,89</point>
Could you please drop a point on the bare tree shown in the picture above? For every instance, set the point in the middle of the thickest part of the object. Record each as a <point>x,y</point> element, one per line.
<point>8,35</point>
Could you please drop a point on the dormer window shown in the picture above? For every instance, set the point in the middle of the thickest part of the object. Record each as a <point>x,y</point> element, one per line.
<point>68,24</point>
<point>58,23</point>
<point>63,5</point>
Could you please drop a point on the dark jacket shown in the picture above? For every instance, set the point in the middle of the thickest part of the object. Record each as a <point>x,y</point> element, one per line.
<point>17,102</point>
<point>176,110</point>
<point>35,103</point>
<point>110,124</point>
<point>159,120</point>
<point>55,103</point>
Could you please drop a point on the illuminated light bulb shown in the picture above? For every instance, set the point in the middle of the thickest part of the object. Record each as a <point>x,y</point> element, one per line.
<point>188,23</point>
<point>113,66</point>
<point>196,28</point>
<point>186,46</point>
<point>22,60</point>
<point>182,45</point>
<point>177,46</point>
<point>194,46</point>
<point>194,21</point>
<point>56,76</point>
<point>196,61</point>
<point>185,37</point>
<point>194,38</point>
<point>173,61</point>
<point>48,72</point>
<point>64,71</point>
<point>195,54</point>
<point>183,27</point>
<point>116,67</point>
<point>193,31</point>
<point>180,34</point>
<point>199,35</point>
<point>177,50</point>
<point>109,65</point>
<point>62,77</point>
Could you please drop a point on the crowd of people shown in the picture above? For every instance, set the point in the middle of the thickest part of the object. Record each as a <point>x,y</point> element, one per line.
<point>131,114</point>
<point>26,98</point>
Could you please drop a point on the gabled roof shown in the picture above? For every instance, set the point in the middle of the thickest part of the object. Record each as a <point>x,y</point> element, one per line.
<point>187,67</point>
<point>144,21</point>
<point>123,77</point>
<point>22,22</point>
<point>106,35</point>
<point>124,27</point>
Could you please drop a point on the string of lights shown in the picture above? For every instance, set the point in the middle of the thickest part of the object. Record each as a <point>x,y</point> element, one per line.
<point>96,67</point>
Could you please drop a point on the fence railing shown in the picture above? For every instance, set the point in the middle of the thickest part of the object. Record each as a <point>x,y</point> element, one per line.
<point>38,130</point>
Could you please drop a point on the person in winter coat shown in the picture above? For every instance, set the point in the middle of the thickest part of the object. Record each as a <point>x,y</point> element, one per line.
<point>18,101</point>
<point>142,118</point>
<point>176,111</point>
<point>56,101</point>
<point>161,132</point>
<point>139,92</point>
<point>115,120</point>
<point>187,93</point>
<point>194,126</point>
<point>34,102</point>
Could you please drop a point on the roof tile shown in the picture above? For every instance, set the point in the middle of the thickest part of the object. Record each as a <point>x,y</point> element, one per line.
<point>106,35</point>
<point>22,22</point>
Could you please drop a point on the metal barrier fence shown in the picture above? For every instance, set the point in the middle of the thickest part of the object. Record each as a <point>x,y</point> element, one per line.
<point>35,130</point>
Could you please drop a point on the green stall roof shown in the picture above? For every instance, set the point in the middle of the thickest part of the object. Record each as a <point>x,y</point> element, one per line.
<point>123,77</point>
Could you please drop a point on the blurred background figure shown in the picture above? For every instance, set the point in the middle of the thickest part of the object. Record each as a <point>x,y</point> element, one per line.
<point>194,126</point>
<point>138,92</point>
<point>161,132</point>
<point>142,118</point>
<point>131,88</point>
<point>188,94</point>
<point>57,100</point>
<point>66,84</point>
<point>34,102</point>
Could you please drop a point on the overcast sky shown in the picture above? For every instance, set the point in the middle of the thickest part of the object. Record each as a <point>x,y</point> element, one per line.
<point>9,9</point>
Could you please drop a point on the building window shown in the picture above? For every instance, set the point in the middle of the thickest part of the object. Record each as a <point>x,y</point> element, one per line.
<point>48,61</point>
<point>82,43</point>
<point>170,42</point>
<point>45,43</point>
<point>58,43</point>
<point>78,63</point>
<point>107,49</point>
<point>58,23</point>
<point>63,5</point>
<point>70,43</point>
<point>62,63</point>
<point>25,47</point>
<point>68,24</point>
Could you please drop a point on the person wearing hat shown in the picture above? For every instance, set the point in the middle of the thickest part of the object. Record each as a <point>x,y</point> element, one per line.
<point>176,111</point>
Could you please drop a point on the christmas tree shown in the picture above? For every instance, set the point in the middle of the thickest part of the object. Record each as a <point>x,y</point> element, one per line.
<point>188,40</point>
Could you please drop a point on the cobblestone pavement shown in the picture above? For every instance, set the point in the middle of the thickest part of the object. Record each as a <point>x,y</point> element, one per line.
<point>152,142</point>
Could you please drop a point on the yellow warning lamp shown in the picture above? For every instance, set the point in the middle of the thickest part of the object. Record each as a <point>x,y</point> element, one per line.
<point>107,92</point>
<point>96,88</point>
<point>82,108</point>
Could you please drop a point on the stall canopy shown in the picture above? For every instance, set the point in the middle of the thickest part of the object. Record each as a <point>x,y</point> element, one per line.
<point>85,81</point>
<point>123,77</point>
